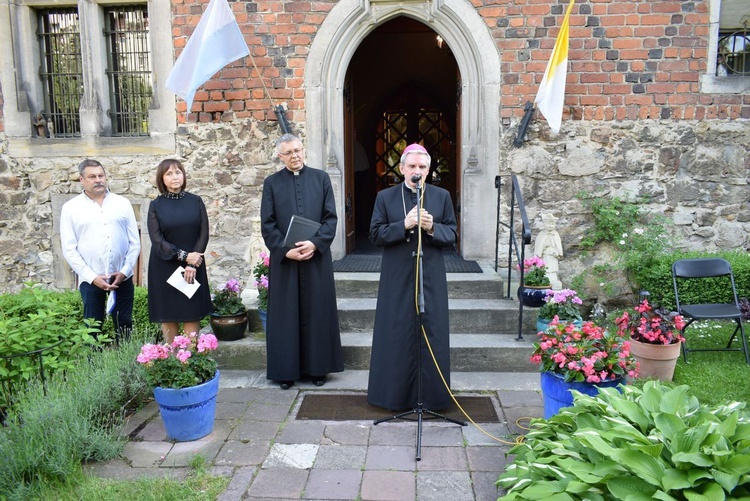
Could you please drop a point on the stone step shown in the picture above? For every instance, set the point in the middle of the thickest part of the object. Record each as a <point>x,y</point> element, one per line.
<point>469,352</point>
<point>486,285</point>
<point>493,316</point>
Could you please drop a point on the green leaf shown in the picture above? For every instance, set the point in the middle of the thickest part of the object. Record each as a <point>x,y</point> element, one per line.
<point>739,464</point>
<point>710,492</point>
<point>727,480</point>
<point>544,489</point>
<point>630,487</point>
<point>670,426</point>
<point>676,479</point>
<point>683,459</point>
<point>632,411</point>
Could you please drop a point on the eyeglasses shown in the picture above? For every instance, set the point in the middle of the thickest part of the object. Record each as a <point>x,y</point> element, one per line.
<point>297,152</point>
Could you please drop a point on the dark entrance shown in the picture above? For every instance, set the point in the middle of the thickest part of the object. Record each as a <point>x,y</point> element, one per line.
<point>402,87</point>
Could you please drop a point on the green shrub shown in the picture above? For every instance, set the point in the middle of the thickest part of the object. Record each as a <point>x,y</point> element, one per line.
<point>650,443</point>
<point>657,279</point>
<point>638,238</point>
<point>37,318</point>
<point>47,437</point>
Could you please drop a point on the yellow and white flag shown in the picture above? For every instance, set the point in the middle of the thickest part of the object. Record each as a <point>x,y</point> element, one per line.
<point>551,93</point>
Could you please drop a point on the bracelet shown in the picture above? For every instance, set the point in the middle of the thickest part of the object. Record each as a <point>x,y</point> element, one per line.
<point>182,255</point>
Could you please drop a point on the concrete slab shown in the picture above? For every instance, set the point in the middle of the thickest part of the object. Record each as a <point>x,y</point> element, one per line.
<point>388,486</point>
<point>299,456</point>
<point>341,457</point>
<point>333,484</point>
<point>444,486</point>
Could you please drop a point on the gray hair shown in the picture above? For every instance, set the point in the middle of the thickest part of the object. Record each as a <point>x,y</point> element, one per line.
<point>416,152</point>
<point>285,138</point>
<point>89,162</point>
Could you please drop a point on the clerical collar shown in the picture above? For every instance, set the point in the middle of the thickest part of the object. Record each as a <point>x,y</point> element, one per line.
<point>406,186</point>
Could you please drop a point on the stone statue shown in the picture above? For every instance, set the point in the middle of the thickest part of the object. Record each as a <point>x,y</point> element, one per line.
<point>40,123</point>
<point>548,246</point>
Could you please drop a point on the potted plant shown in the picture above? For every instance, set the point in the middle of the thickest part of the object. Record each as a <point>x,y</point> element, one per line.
<point>185,379</point>
<point>582,358</point>
<point>229,318</point>
<point>260,272</point>
<point>562,304</point>
<point>655,335</point>
<point>535,282</point>
<point>651,443</point>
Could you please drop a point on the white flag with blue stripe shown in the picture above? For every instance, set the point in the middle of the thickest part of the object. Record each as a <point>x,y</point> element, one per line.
<point>216,42</point>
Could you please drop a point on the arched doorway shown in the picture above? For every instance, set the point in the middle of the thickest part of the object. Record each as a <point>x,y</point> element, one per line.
<point>401,89</point>
<point>330,111</point>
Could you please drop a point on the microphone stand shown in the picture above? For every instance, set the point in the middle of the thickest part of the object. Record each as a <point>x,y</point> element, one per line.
<point>419,410</point>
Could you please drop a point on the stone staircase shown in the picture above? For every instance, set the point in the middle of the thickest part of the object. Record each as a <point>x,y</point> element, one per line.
<point>483,326</point>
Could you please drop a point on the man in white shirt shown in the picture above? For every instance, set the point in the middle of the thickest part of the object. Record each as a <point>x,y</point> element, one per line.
<point>100,241</point>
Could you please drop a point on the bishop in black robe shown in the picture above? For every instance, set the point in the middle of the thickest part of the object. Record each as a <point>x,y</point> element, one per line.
<point>302,336</point>
<point>395,345</point>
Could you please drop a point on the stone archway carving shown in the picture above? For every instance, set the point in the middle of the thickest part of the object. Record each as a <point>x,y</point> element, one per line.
<point>458,23</point>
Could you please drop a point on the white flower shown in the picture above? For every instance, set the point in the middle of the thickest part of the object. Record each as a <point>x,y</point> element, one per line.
<point>624,235</point>
<point>638,231</point>
<point>622,242</point>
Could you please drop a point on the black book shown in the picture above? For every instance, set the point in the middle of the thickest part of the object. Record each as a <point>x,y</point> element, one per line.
<point>300,229</point>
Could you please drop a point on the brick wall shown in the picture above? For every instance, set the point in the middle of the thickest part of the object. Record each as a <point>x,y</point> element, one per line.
<point>628,59</point>
<point>279,34</point>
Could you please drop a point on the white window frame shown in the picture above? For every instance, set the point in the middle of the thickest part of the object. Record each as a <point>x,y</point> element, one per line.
<point>710,82</point>
<point>22,88</point>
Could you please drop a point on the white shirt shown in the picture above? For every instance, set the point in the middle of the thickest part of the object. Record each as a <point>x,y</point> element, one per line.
<point>99,240</point>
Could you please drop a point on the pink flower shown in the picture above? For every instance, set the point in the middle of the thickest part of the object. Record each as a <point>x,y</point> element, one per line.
<point>207,342</point>
<point>183,356</point>
<point>181,342</point>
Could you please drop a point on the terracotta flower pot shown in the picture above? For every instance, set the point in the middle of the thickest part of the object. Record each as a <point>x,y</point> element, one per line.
<point>655,360</point>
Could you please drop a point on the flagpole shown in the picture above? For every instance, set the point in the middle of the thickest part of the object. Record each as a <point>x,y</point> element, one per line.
<point>278,110</point>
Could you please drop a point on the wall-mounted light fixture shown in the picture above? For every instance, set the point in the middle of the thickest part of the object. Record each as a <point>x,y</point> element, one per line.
<point>439,42</point>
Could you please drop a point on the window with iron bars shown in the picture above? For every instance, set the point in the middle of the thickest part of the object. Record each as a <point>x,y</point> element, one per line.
<point>734,53</point>
<point>61,70</point>
<point>128,69</point>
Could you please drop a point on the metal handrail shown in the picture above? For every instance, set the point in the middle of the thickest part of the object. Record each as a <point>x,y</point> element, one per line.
<point>516,201</point>
<point>6,382</point>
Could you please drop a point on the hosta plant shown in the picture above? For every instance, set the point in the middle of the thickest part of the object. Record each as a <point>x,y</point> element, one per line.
<point>638,445</point>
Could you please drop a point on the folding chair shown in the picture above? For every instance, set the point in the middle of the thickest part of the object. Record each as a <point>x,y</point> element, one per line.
<point>686,270</point>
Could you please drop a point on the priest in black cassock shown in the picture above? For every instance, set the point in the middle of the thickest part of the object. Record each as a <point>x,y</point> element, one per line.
<point>302,338</point>
<point>395,345</point>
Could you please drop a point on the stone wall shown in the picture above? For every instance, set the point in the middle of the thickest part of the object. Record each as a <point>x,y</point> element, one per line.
<point>694,173</point>
<point>226,164</point>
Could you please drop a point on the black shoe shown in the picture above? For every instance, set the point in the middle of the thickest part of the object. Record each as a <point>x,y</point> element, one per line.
<point>319,380</point>
<point>285,385</point>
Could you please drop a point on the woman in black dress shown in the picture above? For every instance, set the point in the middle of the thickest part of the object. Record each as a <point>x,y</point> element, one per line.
<point>178,228</point>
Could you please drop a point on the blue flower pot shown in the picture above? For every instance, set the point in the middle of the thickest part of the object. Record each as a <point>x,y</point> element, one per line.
<point>263,314</point>
<point>532,296</point>
<point>556,393</point>
<point>188,413</point>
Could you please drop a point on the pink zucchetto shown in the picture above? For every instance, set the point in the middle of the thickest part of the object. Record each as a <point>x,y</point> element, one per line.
<point>415,147</point>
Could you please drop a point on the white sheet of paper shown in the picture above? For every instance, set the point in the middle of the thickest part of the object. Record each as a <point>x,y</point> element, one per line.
<point>111,302</point>
<point>177,281</point>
